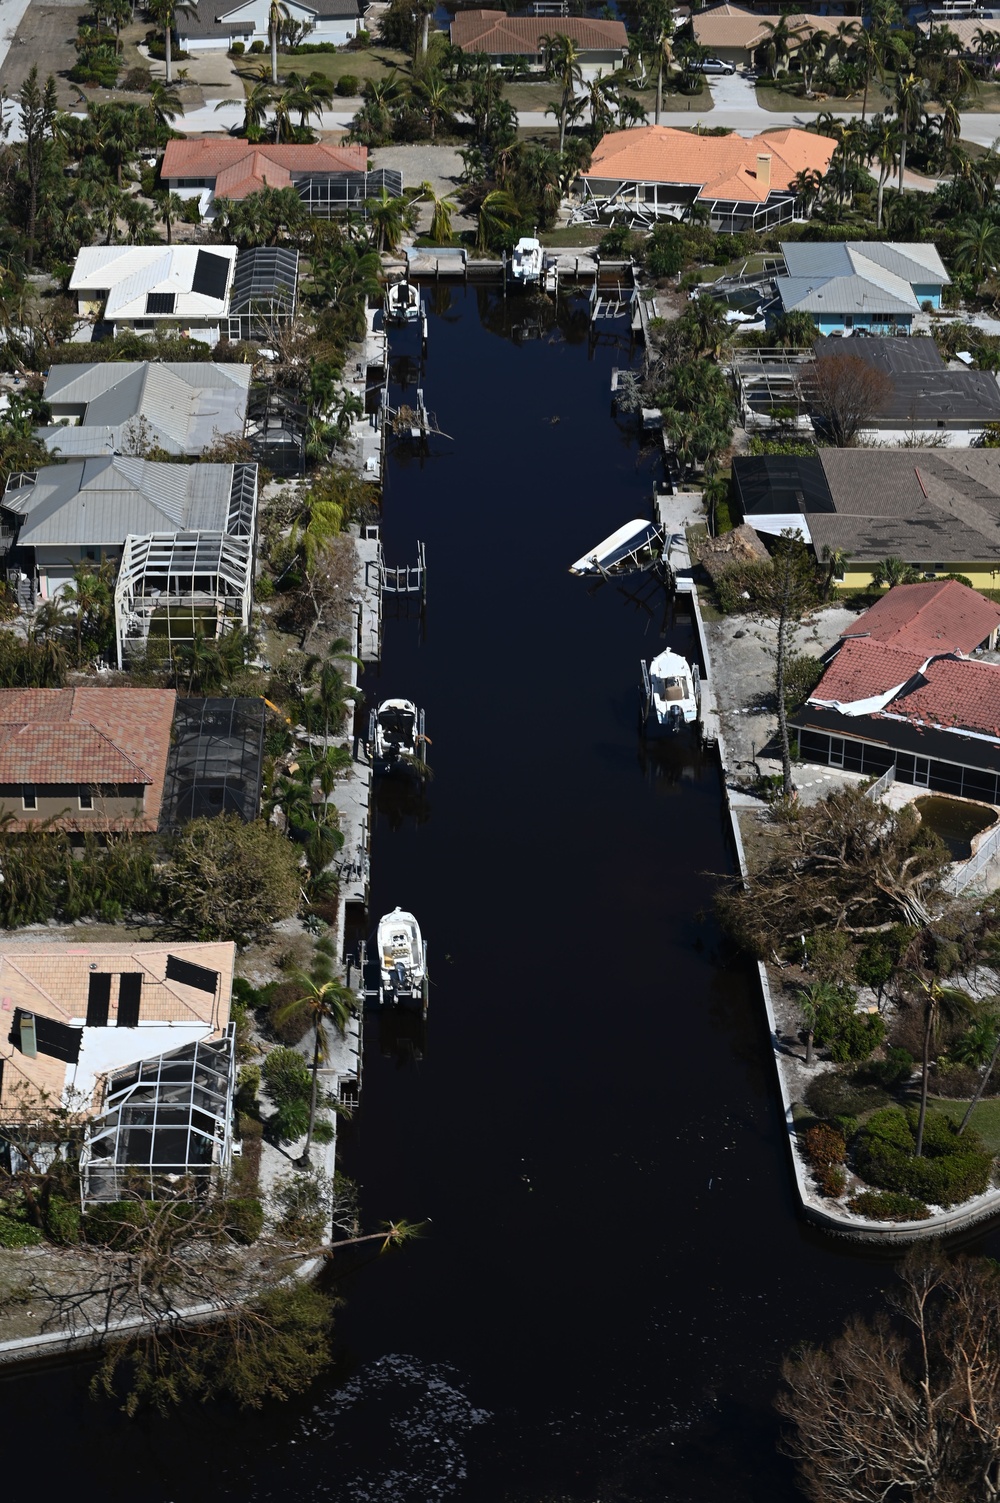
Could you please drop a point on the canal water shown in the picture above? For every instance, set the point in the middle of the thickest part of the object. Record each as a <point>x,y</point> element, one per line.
<point>612,1265</point>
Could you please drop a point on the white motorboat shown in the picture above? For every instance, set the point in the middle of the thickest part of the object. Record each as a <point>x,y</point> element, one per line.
<point>402,303</point>
<point>672,690</point>
<point>396,735</point>
<point>632,549</point>
<point>402,958</point>
<point>527,261</point>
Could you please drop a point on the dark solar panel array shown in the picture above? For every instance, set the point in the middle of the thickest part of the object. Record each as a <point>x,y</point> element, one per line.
<point>215,762</point>
<point>160,302</point>
<point>211,273</point>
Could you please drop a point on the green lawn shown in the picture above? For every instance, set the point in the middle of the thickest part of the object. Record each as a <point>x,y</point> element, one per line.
<point>985,1119</point>
<point>372,62</point>
<point>574,237</point>
<point>782,99</point>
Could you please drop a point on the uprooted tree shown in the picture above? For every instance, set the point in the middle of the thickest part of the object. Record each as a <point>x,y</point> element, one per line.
<point>845,863</point>
<point>905,1407</point>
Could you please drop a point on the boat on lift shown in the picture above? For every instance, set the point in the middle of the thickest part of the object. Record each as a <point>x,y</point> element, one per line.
<point>402,957</point>
<point>527,261</point>
<point>402,303</point>
<point>396,739</point>
<point>632,549</point>
<point>671,687</point>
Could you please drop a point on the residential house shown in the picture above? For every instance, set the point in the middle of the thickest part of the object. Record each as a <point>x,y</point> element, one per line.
<point>134,1039</point>
<point>504,38</point>
<point>870,285</point>
<point>734,34</point>
<point>60,516</point>
<point>654,172</point>
<point>83,759</point>
<point>187,289</point>
<point>214,25</point>
<point>936,509</point>
<point>927,400</point>
<point>330,179</point>
<point>901,693</point>
<point>132,406</point>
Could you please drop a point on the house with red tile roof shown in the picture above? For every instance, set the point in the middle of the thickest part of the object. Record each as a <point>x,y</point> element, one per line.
<point>902,693</point>
<point>504,38</point>
<point>328,178</point>
<point>655,172</point>
<point>84,759</point>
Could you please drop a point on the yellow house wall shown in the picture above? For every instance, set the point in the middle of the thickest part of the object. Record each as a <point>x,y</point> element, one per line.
<point>983,576</point>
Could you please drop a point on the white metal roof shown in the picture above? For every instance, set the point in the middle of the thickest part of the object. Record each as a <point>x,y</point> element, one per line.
<point>127,274</point>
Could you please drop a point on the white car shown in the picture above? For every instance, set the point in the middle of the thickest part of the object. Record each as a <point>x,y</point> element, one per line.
<point>714,65</point>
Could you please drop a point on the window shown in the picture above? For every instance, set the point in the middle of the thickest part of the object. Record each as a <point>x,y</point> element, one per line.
<point>86,798</point>
<point>29,799</point>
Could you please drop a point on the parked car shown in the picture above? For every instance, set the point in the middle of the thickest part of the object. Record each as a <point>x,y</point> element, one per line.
<point>714,65</point>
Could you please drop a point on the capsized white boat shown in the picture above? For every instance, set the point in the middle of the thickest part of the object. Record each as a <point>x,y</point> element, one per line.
<point>402,957</point>
<point>402,303</point>
<point>396,734</point>
<point>632,549</point>
<point>673,695</point>
<point>527,260</point>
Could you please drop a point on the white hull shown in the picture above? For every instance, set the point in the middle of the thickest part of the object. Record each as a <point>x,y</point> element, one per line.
<point>632,549</point>
<point>396,735</point>
<point>527,260</point>
<point>674,696</point>
<point>402,957</point>
<point>402,304</point>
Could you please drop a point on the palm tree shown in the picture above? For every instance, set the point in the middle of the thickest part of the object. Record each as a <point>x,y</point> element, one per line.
<point>387,218</point>
<point>498,213</point>
<point>438,98</point>
<point>812,1002</point>
<point>779,43</point>
<point>310,96</point>
<point>883,145</point>
<point>164,12</point>
<point>869,51</point>
<point>977,246</point>
<point>561,58</point>
<point>940,1003</point>
<point>443,207</point>
<point>810,55</point>
<point>255,107</point>
<point>201,662</point>
<point>169,207</point>
<point>89,600</point>
<point>276,14</point>
<point>663,52</point>
<point>164,103</point>
<point>911,94</point>
<point>326,1004</point>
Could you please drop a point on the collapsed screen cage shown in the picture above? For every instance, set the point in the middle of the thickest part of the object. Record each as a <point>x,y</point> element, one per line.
<point>174,587</point>
<point>166,1127</point>
<point>215,763</point>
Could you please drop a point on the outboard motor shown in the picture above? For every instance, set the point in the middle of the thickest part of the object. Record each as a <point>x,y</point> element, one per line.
<point>400,980</point>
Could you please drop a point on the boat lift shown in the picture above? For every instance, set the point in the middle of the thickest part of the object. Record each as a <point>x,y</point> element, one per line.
<point>646,696</point>
<point>366,974</point>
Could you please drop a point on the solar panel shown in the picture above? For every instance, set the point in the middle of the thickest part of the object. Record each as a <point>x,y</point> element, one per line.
<point>98,999</point>
<point>58,1040</point>
<point>211,273</point>
<point>161,302</point>
<point>198,976</point>
<point>129,997</point>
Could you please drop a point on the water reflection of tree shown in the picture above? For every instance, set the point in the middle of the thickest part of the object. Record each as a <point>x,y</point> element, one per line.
<point>402,1036</point>
<point>405,371</point>
<point>567,317</point>
<point>669,760</point>
<point>397,799</point>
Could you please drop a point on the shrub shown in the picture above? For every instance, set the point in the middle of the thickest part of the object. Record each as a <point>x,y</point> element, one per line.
<point>891,1072</point>
<point>247,1087</point>
<point>62,1220</point>
<point>824,1146</point>
<point>348,86</point>
<point>323,1130</point>
<point>884,1205</point>
<point>15,1232</point>
<point>951,1169</point>
<point>230,880</point>
<point>831,1180</point>
<point>137,81</point>
<point>665,253</point>
<point>847,1126</point>
<point>305,1204</point>
<point>289,1122</point>
<point>838,1093</point>
<point>237,49</point>
<point>244,1220</point>
<point>257,48</point>
<point>287,1027</point>
<point>286,1076</point>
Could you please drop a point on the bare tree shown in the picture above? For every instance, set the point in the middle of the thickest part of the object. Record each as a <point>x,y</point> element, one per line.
<point>906,1409</point>
<point>846,393</point>
<point>786,593</point>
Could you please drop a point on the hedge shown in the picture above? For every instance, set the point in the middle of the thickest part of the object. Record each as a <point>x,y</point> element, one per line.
<point>952,1168</point>
<point>884,1205</point>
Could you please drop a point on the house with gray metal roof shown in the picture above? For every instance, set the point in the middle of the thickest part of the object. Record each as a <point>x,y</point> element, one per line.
<point>91,510</point>
<point>132,406</point>
<point>855,285</point>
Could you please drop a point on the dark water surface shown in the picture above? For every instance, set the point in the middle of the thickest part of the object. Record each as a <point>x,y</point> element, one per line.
<point>613,1265</point>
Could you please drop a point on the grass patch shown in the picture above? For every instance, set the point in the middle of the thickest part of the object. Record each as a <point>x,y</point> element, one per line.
<point>782,99</point>
<point>985,1119</point>
<point>577,236</point>
<point>374,62</point>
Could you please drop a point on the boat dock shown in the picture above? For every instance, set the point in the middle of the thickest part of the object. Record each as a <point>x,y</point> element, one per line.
<point>676,513</point>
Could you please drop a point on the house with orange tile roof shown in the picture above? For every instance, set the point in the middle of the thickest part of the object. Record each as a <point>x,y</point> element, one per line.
<point>135,1040</point>
<point>654,172</point>
<point>733,33</point>
<point>902,691</point>
<point>84,759</point>
<point>505,38</point>
<point>329,179</point>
